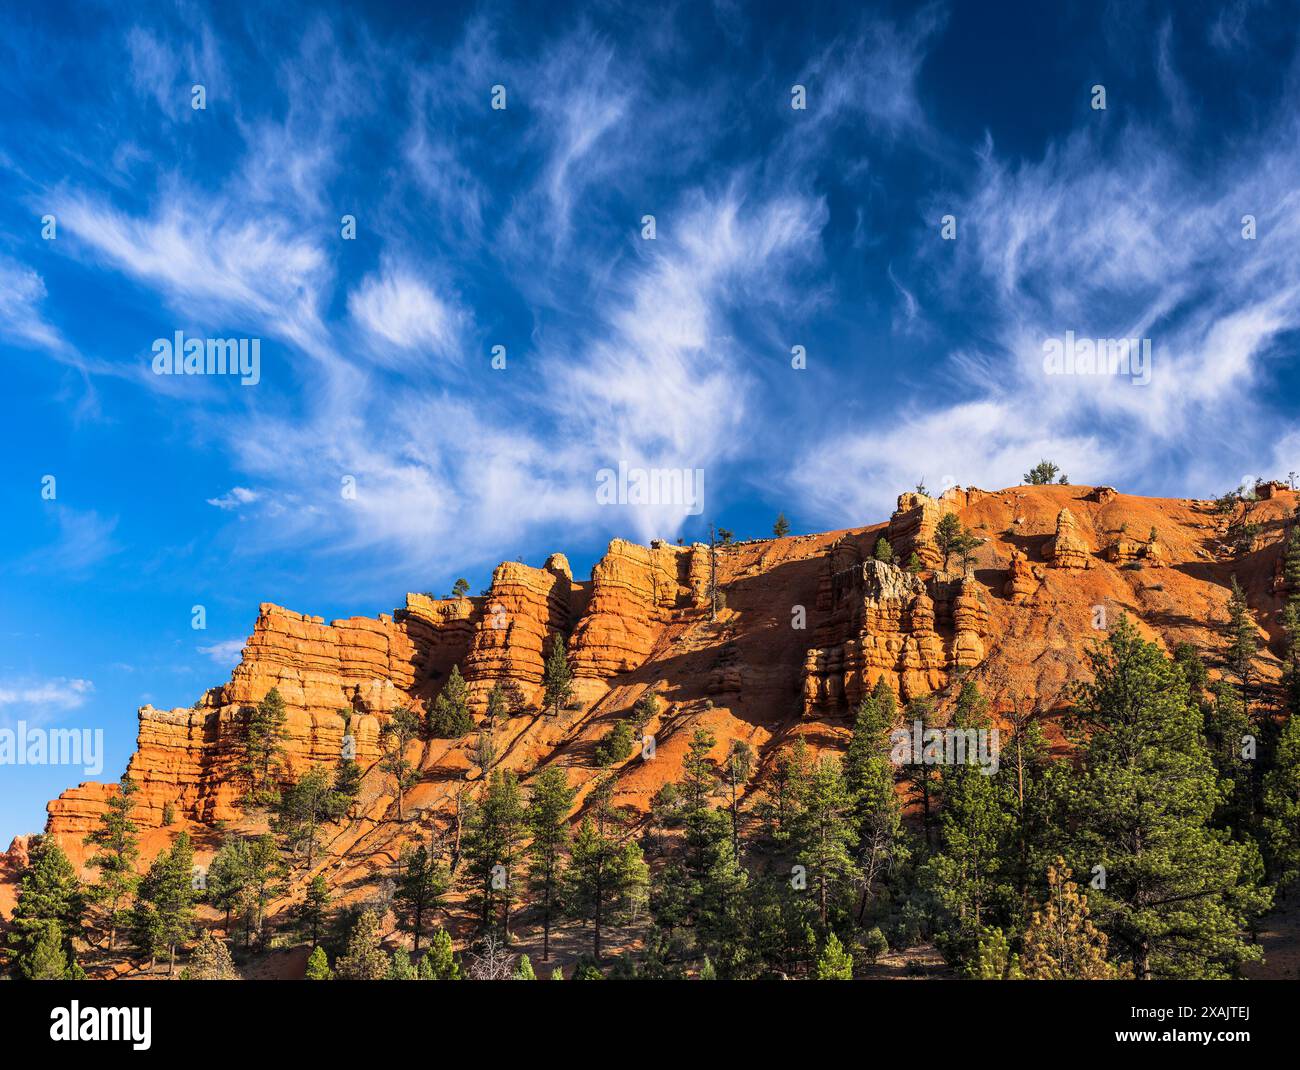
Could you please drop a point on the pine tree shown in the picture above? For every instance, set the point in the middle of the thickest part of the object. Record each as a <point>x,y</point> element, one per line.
<point>210,960</point>
<point>164,908</point>
<point>49,893</point>
<point>494,844</point>
<point>420,888</point>
<point>1178,894</point>
<point>1042,473</point>
<point>364,959</point>
<point>869,778</point>
<point>439,962</point>
<point>782,526</point>
<point>1243,638</point>
<point>117,848</point>
<point>736,771</point>
<point>921,777</point>
<point>346,788</point>
<point>400,967</point>
<point>835,963</point>
<point>602,874</point>
<point>302,808</point>
<point>524,970</point>
<point>548,809</point>
<point>967,873</point>
<point>396,735</point>
<point>883,551</point>
<point>1281,821</point>
<point>557,677</point>
<point>261,885</point>
<point>315,907</point>
<point>1061,942</point>
<point>947,536</point>
<point>824,836</point>
<point>616,746</point>
<point>48,960</point>
<point>228,877</point>
<point>318,965</point>
<point>262,746</point>
<point>460,588</point>
<point>449,716</point>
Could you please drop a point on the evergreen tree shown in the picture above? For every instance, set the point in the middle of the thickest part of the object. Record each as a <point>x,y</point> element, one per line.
<point>616,746</point>
<point>736,771</point>
<point>493,847</point>
<point>824,836</point>
<point>1243,638</point>
<point>261,885</point>
<point>117,848</point>
<point>460,588</point>
<point>835,963</point>
<point>364,959</point>
<point>1178,895</point>
<point>524,970</point>
<point>782,526</point>
<point>967,874</point>
<point>557,677</point>
<point>318,965</point>
<point>947,534</point>
<point>1061,943</point>
<point>548,809</point>
<point>420,888</point>
<point>396,735</point>
<point>1281,821</point>
<point>346,788</point>
<point>400,967</point>
<point>439,962</point>
<point>449,717</point>
<point>1043,472</point>
<point>921,777</point>
<point>48,960</point>
<point>877,815</point>
<point>602,874</point>
<point>48,894</point>
<point>645,711</point>
<point>210,960</point>
<point>228,877</point>
<point>164,907</point>
<point>315,908</point>
<point>883,551</point>
<point>262,746</point>
<point>302,808</point>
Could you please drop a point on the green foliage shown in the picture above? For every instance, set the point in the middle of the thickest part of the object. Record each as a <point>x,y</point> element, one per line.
<point>1179,895</point>
<point>616,746</point>
<point>557,676</point>
<point>163,916</point>
<point>116,851</point>
<point>460,588</point>
<point>423,882</point>
<point>261,748</point>
<point>301,810</point>
<point>1043,472</point>
<point>318,965</point>
<point>314,909</point>
<point>835,963</point>
<point>524,970</point>
<point>399,966</point>
<point>396,735</point>
<point>548,809</point>
<point>495,835</point>
<point>210,960</point>
<point>364,959</point>
<point>883,551</point>
<point>602,877</point>
<point>1281,822</point>
<point>439,963</point>
<point>449,716</point>
<point>782,526</point>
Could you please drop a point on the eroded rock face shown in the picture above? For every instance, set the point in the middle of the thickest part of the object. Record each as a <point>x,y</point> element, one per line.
<point>882,624</point>
<point>1022,579</point>
<point>911,529</point>
<point>1069,549</point>
<point>524,610</point>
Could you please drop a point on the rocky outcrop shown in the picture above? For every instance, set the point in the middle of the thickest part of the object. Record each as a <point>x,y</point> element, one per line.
<point>1102,495</point>
<point>1023,578</point>
<point>911,529</point>
<point>525,608</point>
<point>1069,549</point>
<point>881,623</point>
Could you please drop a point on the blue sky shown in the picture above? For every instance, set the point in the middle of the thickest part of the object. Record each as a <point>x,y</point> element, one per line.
<point>521,227</point>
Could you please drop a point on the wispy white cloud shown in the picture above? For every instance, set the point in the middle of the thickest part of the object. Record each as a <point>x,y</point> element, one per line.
<point>397,307</point>
<point>85,538</point>
<point>225,652</point>
<point>234,498</point>
<point>60,693</point>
